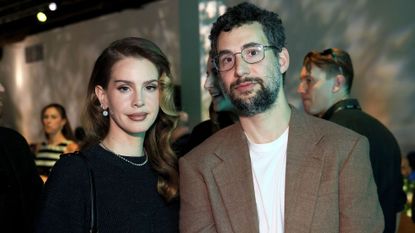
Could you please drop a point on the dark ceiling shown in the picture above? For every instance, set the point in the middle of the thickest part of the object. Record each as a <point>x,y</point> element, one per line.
<point>18,17</point>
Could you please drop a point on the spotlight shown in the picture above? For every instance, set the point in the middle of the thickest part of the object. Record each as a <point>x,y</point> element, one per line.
<point>53,6</point>
<point>41,17</point>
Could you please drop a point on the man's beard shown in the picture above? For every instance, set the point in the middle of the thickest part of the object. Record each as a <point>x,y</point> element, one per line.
<point>261,101</point>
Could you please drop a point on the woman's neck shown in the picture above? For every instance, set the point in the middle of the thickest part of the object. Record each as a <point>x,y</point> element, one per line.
<point>55,139</point>
<point>126,145</point>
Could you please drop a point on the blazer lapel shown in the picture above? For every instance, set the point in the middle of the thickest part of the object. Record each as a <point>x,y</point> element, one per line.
<point>303,173</point>
<point>234,180</point>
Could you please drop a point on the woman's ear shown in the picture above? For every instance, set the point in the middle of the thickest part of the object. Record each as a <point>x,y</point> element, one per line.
<point>284,60</point>
<point>102,96</point>
<point>63,123</point>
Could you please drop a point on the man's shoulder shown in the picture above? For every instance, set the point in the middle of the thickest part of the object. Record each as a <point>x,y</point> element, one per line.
<point>7,132</point>
<point>8,135</point>
<point>327,128</point>
<point>363,123</point>
<point>214,143</point>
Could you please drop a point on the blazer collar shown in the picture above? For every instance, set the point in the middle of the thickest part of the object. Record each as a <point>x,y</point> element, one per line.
<point>233,176</point>
<point>234,180</point>
<point>303,172</point>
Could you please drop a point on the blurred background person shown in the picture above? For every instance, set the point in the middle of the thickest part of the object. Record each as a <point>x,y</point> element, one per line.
<point>20,184</point>
<point>221,110</point>
<point>325,85</point>
<point>59,138</point>
<point>131,113</point>
<point>408,172</point>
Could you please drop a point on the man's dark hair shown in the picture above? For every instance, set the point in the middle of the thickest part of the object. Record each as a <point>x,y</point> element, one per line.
<point>247,13</point>
<point>333,61</point>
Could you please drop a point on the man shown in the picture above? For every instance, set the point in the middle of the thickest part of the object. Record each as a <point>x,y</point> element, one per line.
<point>276,170</point>
<point>221,110</point>
<point>326,81</point>
<point>20,184</point>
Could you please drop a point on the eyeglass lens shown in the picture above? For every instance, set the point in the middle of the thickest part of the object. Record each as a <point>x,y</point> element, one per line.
<point>250,55</point>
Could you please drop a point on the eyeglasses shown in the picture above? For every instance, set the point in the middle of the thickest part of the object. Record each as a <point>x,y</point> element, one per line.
<point>334,56</point>
<point>251,54</point>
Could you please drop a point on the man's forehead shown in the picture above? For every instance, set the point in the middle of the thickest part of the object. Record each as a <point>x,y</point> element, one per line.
<point>238,37</point>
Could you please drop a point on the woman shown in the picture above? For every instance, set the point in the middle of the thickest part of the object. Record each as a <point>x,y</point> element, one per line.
<point>59,136</point>
<point>131,112</point>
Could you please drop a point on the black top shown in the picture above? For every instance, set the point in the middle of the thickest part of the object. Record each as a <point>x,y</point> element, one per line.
<point>126,196</point>
<point>385,156</point>
<point>207,128</point>
<point>20,184</point>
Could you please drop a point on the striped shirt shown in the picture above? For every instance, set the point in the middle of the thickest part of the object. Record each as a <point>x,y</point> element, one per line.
<point>47,156</point>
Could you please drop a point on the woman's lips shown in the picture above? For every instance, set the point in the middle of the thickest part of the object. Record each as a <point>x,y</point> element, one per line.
<point>137,116</point>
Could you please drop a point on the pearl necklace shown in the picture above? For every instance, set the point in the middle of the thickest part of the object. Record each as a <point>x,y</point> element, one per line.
<point>121,157</point>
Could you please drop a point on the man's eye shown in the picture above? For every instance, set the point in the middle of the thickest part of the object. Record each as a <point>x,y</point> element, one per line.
<point>226,60</point>
<point>252,52</point>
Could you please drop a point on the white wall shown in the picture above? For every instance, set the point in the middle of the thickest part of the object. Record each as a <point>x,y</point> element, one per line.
<point>69,55</point>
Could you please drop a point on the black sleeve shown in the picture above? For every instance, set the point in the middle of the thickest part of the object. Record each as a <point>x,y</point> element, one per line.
<point>23,182</point>
<point>199,133</point>
<point>65,200</point>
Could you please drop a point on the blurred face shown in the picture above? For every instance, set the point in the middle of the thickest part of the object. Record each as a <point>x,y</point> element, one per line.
<point>252,88</point>
<point>220,101</point>
<point>405,168</point>
<point>316,90</point>
<point>2,91</point>
<point>52,121</point>
<point>132,96</point>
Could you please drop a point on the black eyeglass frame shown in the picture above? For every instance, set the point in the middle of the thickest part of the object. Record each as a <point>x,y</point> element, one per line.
<point>263,47</point>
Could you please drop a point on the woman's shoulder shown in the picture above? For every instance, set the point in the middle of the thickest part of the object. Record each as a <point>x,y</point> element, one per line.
<point>68,172</point>
<point>69,161</point>
<point>71,146</point>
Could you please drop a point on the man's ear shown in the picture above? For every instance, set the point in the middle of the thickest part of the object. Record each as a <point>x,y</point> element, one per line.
<point>339,82</point>
<point>284,60</point>
<point>102,96</point>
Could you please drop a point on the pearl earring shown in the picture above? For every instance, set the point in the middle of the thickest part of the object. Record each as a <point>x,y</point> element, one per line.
<point>104,111</point>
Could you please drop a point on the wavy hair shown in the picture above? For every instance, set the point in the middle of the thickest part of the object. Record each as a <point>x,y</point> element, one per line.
<point>67,129</point>
<point>157,142</point>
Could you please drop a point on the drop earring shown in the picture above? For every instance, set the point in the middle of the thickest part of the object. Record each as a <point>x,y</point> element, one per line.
<point>104,111</point>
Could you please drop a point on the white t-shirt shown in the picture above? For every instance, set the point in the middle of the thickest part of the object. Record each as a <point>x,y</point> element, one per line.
<point>268,163</point>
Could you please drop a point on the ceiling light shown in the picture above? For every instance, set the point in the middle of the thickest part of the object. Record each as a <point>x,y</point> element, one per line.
<point>53,6</point>
<point>41,17</point>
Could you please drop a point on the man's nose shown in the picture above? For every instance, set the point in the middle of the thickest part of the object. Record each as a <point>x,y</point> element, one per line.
<point>208,83</point>
<point>301,89</point>
<point>241,67</point>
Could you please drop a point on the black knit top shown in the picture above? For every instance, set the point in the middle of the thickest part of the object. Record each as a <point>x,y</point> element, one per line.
<point>126,196</point>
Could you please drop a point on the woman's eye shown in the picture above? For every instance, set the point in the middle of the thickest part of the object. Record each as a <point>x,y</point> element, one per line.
<point>123,88</point>
<point>151,87</point>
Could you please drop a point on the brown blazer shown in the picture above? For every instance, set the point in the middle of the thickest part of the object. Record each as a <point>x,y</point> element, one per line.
<point>329,182</point>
